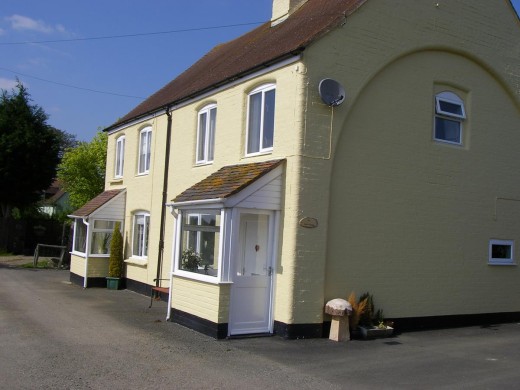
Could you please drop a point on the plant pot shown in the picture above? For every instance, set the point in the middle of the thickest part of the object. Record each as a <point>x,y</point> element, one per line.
<point>113,283</point>
<point>374,332</point>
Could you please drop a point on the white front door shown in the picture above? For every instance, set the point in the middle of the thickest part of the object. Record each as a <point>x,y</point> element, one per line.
<point>252,277</point>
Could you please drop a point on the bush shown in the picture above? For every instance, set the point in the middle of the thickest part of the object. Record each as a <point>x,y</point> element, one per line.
<point>115,262</point>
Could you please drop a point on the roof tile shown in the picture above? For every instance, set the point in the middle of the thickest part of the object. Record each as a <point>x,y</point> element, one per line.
<point>260,47</point>
<point>96,203</point>
<point>227,181</point>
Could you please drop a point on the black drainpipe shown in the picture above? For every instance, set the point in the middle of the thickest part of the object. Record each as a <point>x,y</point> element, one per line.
<point>164,194</point>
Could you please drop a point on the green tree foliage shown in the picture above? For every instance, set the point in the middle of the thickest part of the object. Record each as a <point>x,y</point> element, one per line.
<point>29,150</point>
<point>115,262</point>
<point>82,170</point>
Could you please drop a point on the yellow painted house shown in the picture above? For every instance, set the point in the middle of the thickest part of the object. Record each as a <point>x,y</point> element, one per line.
<point>345,145</point>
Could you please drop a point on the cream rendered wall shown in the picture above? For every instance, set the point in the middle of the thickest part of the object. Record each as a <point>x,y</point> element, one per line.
<point>77,265</point>
<point>144,193</point>
<point>392,188</point>
<point>213,302</point>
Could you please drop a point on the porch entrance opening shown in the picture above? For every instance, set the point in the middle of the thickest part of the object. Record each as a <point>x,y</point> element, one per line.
<point>251,294</point>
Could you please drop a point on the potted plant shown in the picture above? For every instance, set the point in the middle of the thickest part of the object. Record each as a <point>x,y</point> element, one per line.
<point>364,322</point>
<point>190,260</point>
<point>115,261</point>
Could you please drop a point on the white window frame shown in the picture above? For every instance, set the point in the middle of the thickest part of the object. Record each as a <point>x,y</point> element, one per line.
<point>206,148</point>
<point>120,157</point>
<point>144,246</point>
<point>145,151</point>
<point>499,260</point>
<point>74,250</point>
<point>177,270</point>
<point>94,229</point>
<point>445,115</point>
<point>263,89</point>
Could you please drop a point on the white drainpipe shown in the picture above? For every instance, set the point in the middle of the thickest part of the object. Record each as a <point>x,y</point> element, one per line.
<point>87,246</point>
<point>172,265</point>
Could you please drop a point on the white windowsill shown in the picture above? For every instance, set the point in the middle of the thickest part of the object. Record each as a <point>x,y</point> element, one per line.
<point>256,154</point>
<point>203,163</point>
<point>199,277</point>
<point>79,254</point>
<point>501,263</point>
<point>137,261</point>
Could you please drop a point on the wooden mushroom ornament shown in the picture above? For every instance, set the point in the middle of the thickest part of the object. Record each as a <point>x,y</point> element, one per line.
<point>339,309</point>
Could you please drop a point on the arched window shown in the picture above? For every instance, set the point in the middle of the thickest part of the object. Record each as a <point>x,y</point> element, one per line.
<point>449,115</point>
<point>120,157</point>
<point>141,227</point>
<point>260,121</point>
<point>145,150</point>
<point>206,134</point>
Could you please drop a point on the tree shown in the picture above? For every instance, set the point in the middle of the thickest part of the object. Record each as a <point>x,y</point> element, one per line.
<point>29,151</point>
<point>82,170</point>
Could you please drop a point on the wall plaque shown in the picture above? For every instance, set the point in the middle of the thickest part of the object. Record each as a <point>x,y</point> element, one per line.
<point>309,222</point>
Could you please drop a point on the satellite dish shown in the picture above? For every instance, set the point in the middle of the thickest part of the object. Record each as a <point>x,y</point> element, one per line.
<point>332,93</point>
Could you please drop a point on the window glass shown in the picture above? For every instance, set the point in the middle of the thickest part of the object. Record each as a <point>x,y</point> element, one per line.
<point>120,156</point>
<point>140,234</point>
<point>101,236</point>
<point>100,243</point>
<point>501,252</point>
<point>200,242</point>
<point>260,126</point>
<point>447,130</point>
<point>268,133</point>
<point>452,108</point>
<point>255,120</point>
<point>101,224</point>
<point>80,236</point>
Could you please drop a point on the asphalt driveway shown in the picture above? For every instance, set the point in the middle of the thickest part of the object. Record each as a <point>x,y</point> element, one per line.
<point>54,335</point>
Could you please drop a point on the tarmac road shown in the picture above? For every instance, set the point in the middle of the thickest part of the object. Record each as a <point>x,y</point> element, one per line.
<point>54,335</point>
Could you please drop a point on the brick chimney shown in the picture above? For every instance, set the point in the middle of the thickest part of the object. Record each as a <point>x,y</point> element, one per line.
<point>283,8</point>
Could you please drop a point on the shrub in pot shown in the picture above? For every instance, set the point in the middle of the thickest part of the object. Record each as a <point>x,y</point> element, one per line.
<point>115,261</point>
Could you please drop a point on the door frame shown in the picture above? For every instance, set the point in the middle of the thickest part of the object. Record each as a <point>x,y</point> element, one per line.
<point>272,253</point>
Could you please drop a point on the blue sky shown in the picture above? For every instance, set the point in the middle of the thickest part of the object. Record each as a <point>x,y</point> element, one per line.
<point>132,66</point>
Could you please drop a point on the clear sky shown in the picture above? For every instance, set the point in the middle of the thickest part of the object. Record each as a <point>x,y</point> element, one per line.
<point>58,74</point>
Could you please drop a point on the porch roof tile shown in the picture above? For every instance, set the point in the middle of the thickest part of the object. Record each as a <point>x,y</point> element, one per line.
<point>227,181</point>
<point>96,203</point>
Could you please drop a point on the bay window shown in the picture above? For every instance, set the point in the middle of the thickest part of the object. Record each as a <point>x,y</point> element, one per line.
<point>200,242</point>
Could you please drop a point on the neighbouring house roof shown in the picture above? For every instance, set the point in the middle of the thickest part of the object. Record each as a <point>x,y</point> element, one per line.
<point>53,193</point>
<point>255,50</point>
<point>227,181</point>
<point>96,203</point>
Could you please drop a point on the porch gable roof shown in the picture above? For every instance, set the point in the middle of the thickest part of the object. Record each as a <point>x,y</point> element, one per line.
<point>94,204</point>
<point>227,181</point>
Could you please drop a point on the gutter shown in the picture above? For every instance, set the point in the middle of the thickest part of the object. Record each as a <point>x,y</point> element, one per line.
<point>200,202</point>
<point>164,195</point>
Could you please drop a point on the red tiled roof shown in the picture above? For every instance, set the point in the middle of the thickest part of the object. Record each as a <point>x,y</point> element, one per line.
<point>260,47</point>
<point>227,181</point>
<point>96,203</point>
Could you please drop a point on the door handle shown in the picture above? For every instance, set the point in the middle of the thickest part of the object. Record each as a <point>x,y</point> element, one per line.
<point>269,271</point>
